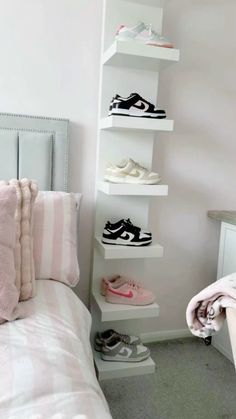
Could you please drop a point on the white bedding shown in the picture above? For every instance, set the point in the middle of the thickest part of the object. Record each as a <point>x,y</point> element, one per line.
<point>46,366</point>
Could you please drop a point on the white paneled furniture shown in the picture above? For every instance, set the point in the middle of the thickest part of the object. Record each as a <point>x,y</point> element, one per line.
<point>125,68</point>
<point>231,319</point>
<point>226,266</point>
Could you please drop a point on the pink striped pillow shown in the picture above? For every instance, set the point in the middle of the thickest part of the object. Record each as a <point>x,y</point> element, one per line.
<point>55,237</point>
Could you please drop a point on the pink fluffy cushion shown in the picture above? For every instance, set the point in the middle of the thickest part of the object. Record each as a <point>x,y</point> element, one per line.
<point>55,237</point>
<point>9,295</point>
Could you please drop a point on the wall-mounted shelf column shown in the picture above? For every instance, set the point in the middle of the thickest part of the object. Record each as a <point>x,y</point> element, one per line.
<point>126,67</point>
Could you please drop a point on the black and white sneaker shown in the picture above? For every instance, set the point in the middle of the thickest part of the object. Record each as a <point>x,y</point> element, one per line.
<point>126,234</point>
<point>116,99</point>
<point>134,105</point>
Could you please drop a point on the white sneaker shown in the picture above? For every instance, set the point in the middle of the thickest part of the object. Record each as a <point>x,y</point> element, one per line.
<point>129,34</point>
<point>128,171</point>
<point>150,37</point>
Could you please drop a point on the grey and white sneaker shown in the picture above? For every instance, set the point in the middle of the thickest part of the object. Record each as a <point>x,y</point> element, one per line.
<point>119,351</point>
<point>103,338</point>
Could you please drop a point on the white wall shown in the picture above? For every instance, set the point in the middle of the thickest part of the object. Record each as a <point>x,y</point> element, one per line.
<point>198,160</point>
<point>50,52</point>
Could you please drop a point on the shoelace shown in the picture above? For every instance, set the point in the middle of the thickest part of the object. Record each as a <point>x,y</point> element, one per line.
<point>134,286</point>
<point>138,166</point>
<point>135,229</point>
<point>123,338</point>
<point>152,31</point>
<point>128,221</point>
<point>126,344</point>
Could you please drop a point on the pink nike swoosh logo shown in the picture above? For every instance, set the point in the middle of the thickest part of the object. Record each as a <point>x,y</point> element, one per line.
<point>121,294</point>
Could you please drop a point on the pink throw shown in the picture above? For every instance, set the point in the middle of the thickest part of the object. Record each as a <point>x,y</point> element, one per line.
<point>206,311</point>
<point>29,193</point>
<point>26,192</point>
<point>9,308</point>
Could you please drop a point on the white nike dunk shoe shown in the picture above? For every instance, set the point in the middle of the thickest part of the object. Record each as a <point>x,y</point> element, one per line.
<point>129,171</point>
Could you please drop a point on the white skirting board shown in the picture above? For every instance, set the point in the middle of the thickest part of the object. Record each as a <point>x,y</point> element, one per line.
<point>165,335</point>
<point>223,351</point>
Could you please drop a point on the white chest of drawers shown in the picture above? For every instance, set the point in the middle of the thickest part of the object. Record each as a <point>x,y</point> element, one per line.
<point>226,266</point>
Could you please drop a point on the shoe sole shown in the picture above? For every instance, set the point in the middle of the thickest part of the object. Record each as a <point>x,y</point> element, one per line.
<point>124,243</point>
<point>143,42</point>
<point>126,112</point>
<point>159,45</point>
<point>131,181</point>
<point>113,359</point>
<point>128,303</point>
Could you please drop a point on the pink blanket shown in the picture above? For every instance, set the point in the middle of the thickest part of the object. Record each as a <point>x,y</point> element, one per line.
<point>9,309</point>
<point>29,192</point>
<point>26,192</point>
<point>206,311</point>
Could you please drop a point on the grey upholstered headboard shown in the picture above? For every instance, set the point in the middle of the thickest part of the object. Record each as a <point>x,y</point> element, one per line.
<point>36,148</point>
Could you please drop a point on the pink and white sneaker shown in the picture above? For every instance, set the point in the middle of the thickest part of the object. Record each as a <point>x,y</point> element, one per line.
<point>124,33</point>
<point>114,281</point>
<point>150,37</point>
<point>142,33</point>
<point>129,293</point>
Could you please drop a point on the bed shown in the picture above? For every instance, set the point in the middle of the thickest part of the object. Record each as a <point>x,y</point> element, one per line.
<point>46,359</point>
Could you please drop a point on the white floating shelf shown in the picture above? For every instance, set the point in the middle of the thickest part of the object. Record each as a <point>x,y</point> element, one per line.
<point>110,251</point>
<point>131,189</point>
<point>135,123</point>
<point>107,370</point>
<point>112,312</point>
<point>139,56</point>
